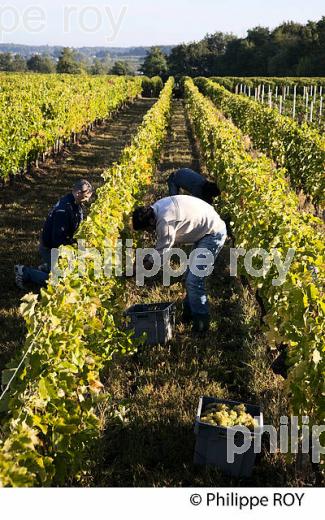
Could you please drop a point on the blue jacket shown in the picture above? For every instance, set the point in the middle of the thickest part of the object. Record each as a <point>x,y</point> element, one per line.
<point>188,180</point>
<point>62,223</point>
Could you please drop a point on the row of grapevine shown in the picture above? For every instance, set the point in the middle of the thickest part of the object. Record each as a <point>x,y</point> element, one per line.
<point>304,107</point>
<point>38,110</point>
<point>300,83</point>
<point>262,207</point>
<point>299,149</point>
<point>73,332</point>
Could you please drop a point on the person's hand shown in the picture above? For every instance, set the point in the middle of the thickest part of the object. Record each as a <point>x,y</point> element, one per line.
<point>148,262</point>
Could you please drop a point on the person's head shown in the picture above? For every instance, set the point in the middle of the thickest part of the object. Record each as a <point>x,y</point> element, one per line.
<point>144,219</point>
<point>82,191</point>
<point>209,191</point>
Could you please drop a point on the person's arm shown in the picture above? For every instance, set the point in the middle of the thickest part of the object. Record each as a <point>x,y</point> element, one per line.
<point>166,234</point>
<point>62,228</point>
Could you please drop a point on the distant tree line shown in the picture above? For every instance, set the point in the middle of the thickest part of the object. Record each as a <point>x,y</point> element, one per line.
<point>291,49</point>
<point>88,52</point>
<point>69,62</point>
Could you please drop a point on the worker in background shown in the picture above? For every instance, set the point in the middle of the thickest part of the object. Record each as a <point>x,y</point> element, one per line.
<point>183,219</point>
<point>193,183</point>
<point>59,229</point>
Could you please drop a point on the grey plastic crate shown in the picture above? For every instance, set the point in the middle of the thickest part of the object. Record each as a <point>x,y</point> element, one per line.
<point>157,320</point>
<point>211,441</point>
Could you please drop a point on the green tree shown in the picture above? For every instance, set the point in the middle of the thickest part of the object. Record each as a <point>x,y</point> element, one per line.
<point>5,61</point>
<point>18,64</point>
<point>68,63</point>
<point>201,58</point>
<point>42,64</point>
<point>259,36</point>
<point>288,46</point>
<point>317,51</point>
<point>121,68</point>
<point>155,63</point>
<point>98,67</point>
<point>179,62</point>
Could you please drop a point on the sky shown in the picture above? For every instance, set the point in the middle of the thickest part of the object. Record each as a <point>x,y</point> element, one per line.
<point>142,22</point>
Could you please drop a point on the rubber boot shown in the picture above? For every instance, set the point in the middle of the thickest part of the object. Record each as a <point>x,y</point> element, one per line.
<point>187,313</point>
<point>201,323</point>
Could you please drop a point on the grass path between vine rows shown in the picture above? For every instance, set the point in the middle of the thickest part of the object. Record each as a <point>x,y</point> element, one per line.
<point>25,204</point>
<point>149,439</point>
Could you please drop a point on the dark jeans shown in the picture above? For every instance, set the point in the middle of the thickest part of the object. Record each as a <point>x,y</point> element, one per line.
<point>196,298</point>
<point>35,275</point>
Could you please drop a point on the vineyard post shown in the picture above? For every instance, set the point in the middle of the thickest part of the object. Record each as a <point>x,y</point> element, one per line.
<point>249,91</point>
<point>276,93</point>
<point>315,93</point>
<point>311,111</point>
<point>263,92</point>
<point>280,105</point>
<point>320,108</point>
<point>294,102</point>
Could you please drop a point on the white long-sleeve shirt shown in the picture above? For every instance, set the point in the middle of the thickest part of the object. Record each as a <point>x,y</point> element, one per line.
<point>183,219</point>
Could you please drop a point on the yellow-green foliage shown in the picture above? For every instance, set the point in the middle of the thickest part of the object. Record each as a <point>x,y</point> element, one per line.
<point>264,214</point>
<point>37,109</point>
<point>299,149</point>
<point>151,87</point>
<point>74,331</point>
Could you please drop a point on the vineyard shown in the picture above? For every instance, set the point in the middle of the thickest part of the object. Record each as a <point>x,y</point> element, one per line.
<point>40,113</point>
<point>300,150</point>
<point>299,98</point>
<point>83,403</point>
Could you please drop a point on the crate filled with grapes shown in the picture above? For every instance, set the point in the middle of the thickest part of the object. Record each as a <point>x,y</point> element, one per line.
<point>228,435</point>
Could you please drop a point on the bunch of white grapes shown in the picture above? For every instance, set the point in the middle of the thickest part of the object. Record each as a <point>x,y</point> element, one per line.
<point>218,414</point>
